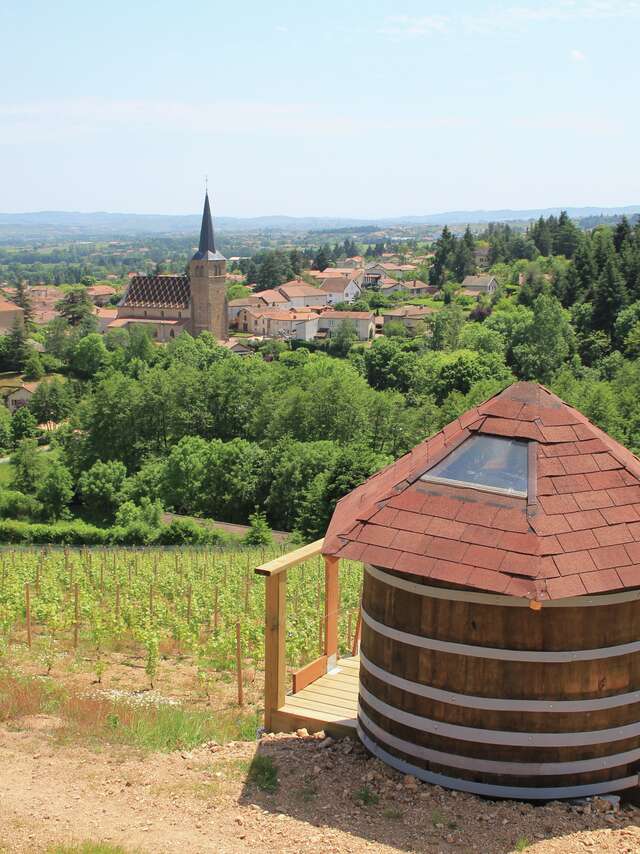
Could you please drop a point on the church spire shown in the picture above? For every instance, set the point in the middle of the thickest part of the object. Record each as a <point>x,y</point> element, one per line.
<point>206,247</point>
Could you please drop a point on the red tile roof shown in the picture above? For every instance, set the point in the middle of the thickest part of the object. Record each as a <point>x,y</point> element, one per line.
<point>576,533</point>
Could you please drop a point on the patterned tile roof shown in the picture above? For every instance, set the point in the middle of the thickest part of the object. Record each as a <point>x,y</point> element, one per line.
<point>158,292</point>
<point>577,532</point>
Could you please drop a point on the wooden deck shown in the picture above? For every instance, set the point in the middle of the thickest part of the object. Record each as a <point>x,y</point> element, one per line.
<point>330,703</point>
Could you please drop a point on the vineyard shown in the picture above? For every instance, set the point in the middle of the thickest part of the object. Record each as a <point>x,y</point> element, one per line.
<point>201,604</point>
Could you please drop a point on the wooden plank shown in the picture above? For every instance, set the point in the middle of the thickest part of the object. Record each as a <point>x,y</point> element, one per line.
<point>295,701</point>
<point>331,606</point>
<point>310,673</point>
<point>274,646</point>
<point>289,721</point>
<point>280,564</point>
<point>350,697</point>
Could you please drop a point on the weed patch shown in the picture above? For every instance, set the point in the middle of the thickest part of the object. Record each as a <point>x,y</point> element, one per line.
<point>366,797</point>
<point>263,772</point>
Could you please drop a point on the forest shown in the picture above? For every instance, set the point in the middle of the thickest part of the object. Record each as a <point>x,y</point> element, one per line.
<point>190,428</point>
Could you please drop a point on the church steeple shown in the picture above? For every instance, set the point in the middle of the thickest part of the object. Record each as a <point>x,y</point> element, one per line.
<point>206,247</point>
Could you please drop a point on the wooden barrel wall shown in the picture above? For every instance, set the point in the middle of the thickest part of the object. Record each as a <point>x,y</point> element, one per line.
<point>478,692</point>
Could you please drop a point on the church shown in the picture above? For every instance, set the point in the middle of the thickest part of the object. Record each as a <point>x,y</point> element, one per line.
<point>194,302</point>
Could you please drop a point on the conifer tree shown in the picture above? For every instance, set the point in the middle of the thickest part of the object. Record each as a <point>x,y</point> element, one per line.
<point>610,297</point>
<point>23,299</point>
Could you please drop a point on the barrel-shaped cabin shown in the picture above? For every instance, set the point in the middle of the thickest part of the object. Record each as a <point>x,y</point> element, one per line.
<point>500,648</point>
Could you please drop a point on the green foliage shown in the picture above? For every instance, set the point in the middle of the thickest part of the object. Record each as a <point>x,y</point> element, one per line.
<point>100,488</point>
<point>33,367</point>
<point>28,466</point>
<point>55,490</point>
<point>76,305</point>
<point>23,425</point>
<point>259,533</point>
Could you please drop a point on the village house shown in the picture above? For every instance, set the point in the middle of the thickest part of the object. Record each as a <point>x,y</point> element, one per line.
<point>299,294</point>
<point>329,321</point>
<point>482,255</point>
<point>385,268</point>
<point>100,294</point>
<point>409,315</point>
<point>475,286</point>
<point>340,289</point>
<point>416,288</point>
<point>10,313</point>
<point>104,316</point>
<point>20,396</point>
<point>272,323</point>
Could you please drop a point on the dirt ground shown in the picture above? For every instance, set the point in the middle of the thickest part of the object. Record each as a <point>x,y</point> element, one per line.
<point>52,792</point>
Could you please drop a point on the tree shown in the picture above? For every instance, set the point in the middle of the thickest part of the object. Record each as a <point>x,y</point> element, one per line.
<point>343,338</point>
<point>33,368</point>
<point>55,490</point>
<point>259,533</point>
<point>23,425</point>
<point>321,260</point>
<point>89,356</point>
<point>76,305</point>
<point>6,439</point>
<point>16,348</point>
<point>545,343</point>
<point>23,299</point>
<point>100,488</point>
<point>51,401</point>
<point>28,466</point>
<point>610,297</point>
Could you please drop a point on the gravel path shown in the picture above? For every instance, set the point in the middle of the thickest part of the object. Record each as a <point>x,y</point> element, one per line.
<point>200,802</point>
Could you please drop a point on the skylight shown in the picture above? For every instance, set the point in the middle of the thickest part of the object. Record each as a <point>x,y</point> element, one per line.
<point>485,462</point>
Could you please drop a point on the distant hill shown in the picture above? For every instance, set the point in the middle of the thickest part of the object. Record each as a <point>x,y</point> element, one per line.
<point>103,224</point>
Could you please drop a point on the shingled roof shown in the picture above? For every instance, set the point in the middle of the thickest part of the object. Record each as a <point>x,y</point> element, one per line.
<point>157,292</point>
<point>573,529</point>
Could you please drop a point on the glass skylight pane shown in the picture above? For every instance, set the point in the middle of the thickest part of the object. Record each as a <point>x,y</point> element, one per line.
<point>492,462</point>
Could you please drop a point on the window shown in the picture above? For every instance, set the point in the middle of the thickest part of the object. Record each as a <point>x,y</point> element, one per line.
<point>493,463</point>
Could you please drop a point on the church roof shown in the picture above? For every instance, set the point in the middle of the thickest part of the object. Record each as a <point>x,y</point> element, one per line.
<point>157,292</point>
<point>521,495</point>
<point>207,247</point>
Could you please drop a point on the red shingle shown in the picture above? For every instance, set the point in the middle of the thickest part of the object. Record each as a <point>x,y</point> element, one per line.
<point>550,545</point>
<point>443,506</point>
<point>502,407</point>
<point>559,504</point>
<point>476,513</point>
<point>605,479</point>
<point>630,575</point>
<point>634,527</point>
<point>558,434</point>
<point>500,427</point>
<point>609,556</point>
<point>571,483</point>
<point>625,495</point>
<point>585,519</point>
<point>563,449</point>
<point>551,467</point>
<point>408,541</point>
<point>407,521</point>
<point>519,564</point>
<point>580,464</point>
<point>547,568</point>
<point>375,535</point>
<point>578,540</point>
<point>558,416</point>
<point>387,516</point>
<point>604,579</point>
<point>448,528</point>
<point>379,556</point>
<point>352,551</point>
<point>454,573</point>
<point>543,524</point>
<point>479,534</point>
<point>561,588</point>
<point>592,446</point>
<point>626,513</point>
<point>606,462</point>
<point>613,535</point>
<point>633,550</point>
<point>573,563</point>
<point>525,543</point>
<point>483,556</point>
<point>487,579</point>
<point>545,486</point>
<point>521,587</point>
<point>446,549</point>
<point>411,499</point>
<point>418,564</point>
<point>593,500</point>
<point>511,520</point>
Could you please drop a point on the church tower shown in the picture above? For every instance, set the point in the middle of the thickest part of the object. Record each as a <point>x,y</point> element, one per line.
<point>208,278</point>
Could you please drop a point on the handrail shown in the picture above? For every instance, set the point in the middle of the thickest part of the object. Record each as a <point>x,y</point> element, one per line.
<point>286,561</point>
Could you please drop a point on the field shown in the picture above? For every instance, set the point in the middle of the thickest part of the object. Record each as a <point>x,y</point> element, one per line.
<point>178,625</point>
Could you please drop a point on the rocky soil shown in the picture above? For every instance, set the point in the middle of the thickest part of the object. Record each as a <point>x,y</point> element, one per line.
<point>330,797</point>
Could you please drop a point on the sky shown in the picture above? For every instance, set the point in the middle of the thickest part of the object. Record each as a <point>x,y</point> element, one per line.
<point>318,108</point>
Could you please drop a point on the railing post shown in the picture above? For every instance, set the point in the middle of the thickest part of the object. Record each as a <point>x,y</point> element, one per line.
<point>274,646</point>
<point>331,609</point>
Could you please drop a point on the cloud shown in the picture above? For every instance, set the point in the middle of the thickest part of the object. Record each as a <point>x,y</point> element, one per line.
<point>577,55</point>
<point>406,26</point>
<point>500,19</point>
<point>281,29</point>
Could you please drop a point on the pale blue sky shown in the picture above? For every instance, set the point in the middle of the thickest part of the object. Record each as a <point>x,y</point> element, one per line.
<point>384,107</point>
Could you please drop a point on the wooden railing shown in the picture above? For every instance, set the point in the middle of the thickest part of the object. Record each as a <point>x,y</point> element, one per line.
<point>275,665</point>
